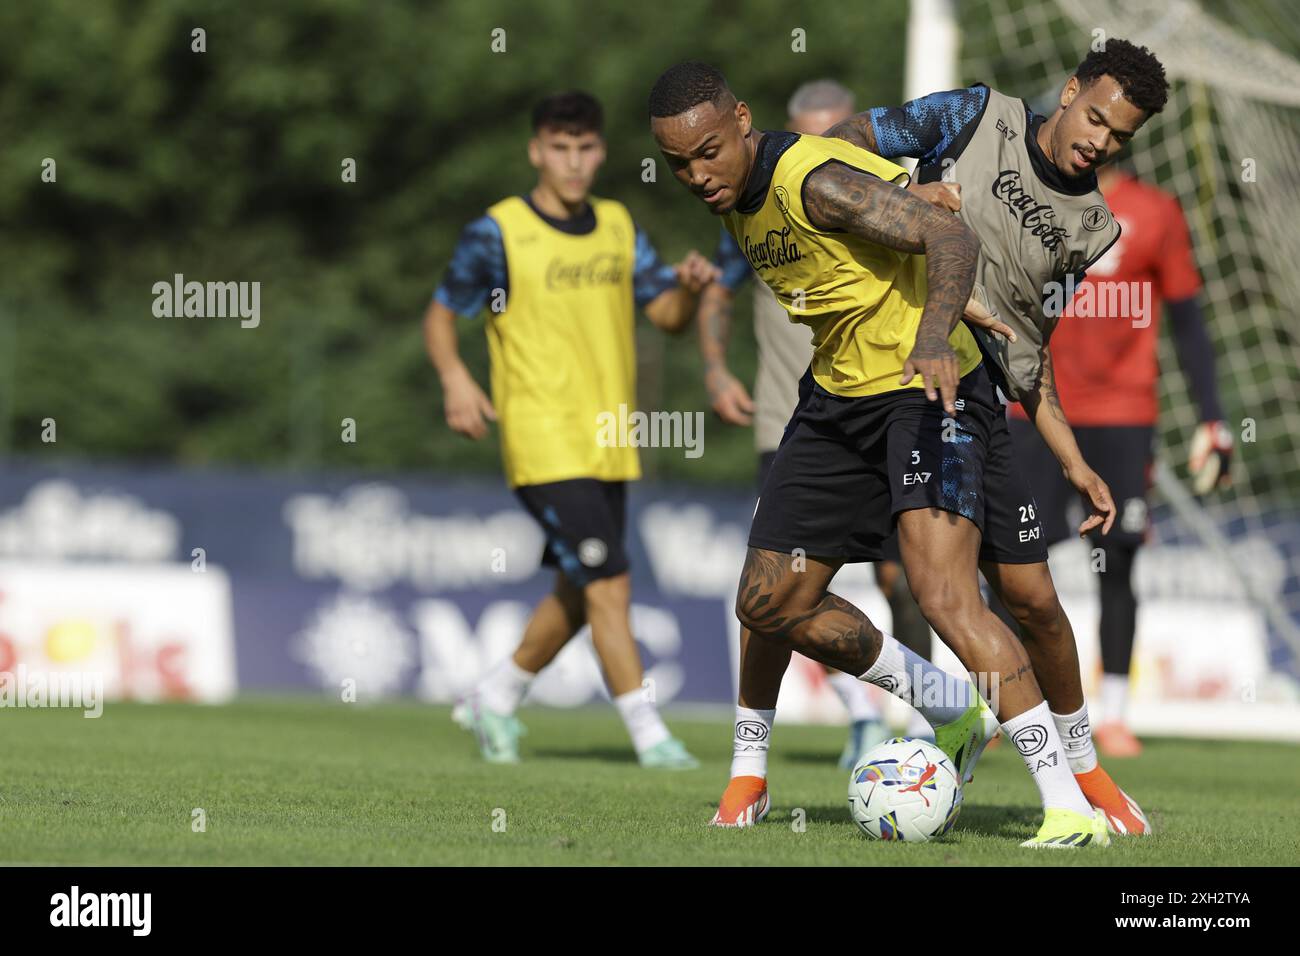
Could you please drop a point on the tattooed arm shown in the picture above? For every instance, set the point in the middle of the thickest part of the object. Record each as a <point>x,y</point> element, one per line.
<point>1043,406</point>
<point>1045,400</point>
<point>730,400</point>
<point>837,196</point>
<point>857,129</point>
<point>715,325</point>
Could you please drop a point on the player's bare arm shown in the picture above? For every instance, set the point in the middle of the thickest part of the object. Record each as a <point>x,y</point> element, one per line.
<point>672,310</point>
<point>941,194</point>
<point>948,196</point>
<point>731,401</point>
<point>837,196</point>
<point>467,407</point>
<point>1043,407</point>
<point>857,129</point>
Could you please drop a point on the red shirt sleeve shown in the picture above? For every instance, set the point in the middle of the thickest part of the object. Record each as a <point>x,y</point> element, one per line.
<point>1177,275</point>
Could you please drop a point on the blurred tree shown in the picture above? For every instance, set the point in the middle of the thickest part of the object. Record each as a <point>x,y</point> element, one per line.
<point>225,165</point>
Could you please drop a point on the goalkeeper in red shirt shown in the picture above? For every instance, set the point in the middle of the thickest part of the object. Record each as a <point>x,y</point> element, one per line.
<point>1104,352</point>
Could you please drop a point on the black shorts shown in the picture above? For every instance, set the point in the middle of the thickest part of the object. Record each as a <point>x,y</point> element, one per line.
<point>765,459</point>
<point>889,549</point>
<point>584,521</point>
<point>1121,454</point>
<point>848,466</point>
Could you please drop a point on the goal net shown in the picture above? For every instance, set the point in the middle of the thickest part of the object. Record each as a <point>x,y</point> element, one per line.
<point>1227,145</point>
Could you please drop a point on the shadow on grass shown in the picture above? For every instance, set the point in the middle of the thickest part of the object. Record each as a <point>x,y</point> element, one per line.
<point>986,820</point>
<point>598,754</point>
<point>824,757</point>
<point>1000,821</point>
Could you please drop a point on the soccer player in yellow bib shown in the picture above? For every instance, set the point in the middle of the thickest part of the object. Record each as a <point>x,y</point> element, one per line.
<point>561,273</point>
<point>784,350</point>
<point>883,278</point>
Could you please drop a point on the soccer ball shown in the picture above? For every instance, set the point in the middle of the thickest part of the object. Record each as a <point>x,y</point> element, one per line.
<point>906,790</point>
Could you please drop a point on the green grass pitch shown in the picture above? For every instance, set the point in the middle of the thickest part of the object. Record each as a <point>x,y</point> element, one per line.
<point>303,781</point>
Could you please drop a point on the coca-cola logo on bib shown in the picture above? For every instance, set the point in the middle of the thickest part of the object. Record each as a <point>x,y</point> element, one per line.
<point>774,249</point>
<point>1037,218</point>
<point>605,268</point>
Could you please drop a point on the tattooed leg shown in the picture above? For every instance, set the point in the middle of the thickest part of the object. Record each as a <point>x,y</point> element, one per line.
<point>789,607</point>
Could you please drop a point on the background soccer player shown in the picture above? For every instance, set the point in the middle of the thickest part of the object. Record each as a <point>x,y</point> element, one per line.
<point>1106,372</point>
<point>883,278</point>
<point>784,351</point>
<point>561,272</point>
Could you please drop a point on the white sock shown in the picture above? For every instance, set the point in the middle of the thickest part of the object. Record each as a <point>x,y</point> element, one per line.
<point>940,697</point>
<point>1035,736</point>
<point>856,698</point>
<point>749,746</point>
<point>641,717</point>
<point>504,686</point>
<point>1076,738</point>
<point>1114,697</point>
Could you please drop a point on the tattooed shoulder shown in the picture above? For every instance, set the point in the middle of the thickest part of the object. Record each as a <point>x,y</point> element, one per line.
<point>857,129</point>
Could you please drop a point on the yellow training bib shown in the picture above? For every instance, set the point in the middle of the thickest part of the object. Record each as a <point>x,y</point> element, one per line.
<point>863,300</point>
<point>563,348</point>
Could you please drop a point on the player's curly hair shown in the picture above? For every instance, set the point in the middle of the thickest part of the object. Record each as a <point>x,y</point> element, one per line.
<point>573,112</point>
<point>687,85</point>
<point>1135,68</point>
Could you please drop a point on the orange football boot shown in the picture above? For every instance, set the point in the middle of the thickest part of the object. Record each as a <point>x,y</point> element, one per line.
<point>744,803</point>
<point>1123,815</point>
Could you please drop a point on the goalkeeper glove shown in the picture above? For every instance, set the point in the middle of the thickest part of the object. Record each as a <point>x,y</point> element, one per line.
<point>1211,457</point>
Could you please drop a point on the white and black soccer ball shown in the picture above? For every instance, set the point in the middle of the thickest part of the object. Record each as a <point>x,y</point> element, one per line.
<point>905,790</point>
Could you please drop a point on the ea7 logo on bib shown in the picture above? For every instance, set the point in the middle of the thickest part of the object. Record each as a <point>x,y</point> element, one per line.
<point>917,477</point>
<point>1029,740</point>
